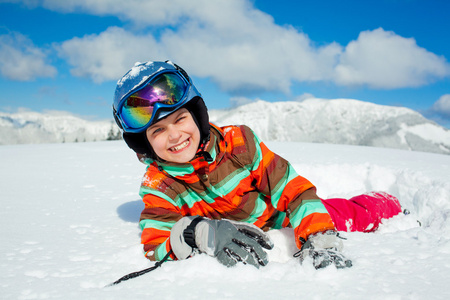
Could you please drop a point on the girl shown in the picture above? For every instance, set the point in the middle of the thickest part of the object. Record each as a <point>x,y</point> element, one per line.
<point>217,190</point>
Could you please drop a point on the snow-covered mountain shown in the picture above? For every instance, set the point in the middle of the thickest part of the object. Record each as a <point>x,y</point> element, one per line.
<point>339,121</point>
<point>54,127</point>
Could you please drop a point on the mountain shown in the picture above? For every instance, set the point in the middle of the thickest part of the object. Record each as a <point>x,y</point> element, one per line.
<point>54,127</point>
<point>339,121</point>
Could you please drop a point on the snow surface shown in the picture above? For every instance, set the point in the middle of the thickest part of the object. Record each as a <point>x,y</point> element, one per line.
<point>69,226</point>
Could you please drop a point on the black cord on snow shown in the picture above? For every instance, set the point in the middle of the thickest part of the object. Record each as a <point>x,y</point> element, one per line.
<point>142,272</point>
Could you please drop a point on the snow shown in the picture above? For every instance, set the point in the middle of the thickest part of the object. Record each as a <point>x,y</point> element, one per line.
<point>134,72</point>
<point>336,121</point>
<point>339,121</point>
<point>52,127</point>
<point>69,226</point>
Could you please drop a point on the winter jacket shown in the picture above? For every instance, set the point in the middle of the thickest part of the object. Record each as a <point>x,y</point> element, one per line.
<point>244,181</point>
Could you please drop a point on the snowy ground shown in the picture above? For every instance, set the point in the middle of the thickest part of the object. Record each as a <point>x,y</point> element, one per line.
<point>69,226</point>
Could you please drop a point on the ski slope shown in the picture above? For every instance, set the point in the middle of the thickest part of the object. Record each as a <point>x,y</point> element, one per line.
<point>69,226</point>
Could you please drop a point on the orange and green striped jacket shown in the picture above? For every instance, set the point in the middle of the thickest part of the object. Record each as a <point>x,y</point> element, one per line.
<point>245,181</point>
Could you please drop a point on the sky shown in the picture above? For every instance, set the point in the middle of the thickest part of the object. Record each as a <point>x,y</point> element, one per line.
<point>68,55</point>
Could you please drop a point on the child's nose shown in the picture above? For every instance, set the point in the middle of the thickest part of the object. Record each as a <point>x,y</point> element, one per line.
<point>174,133</point>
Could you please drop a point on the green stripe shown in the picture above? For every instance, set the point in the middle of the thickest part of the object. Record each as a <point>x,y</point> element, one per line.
<point>307,208</point>
<point>145,190</point>
<point>213,152</point>
<point>177,170</point>
<point>160,225</point>
<point>221,189</point>
<point>258,153</point>
<point>231,181</point>
<point>161,251</point>
<point>281,216</point>
<point>260,207</point>
<point>278,190</point>
<point>190,197</point>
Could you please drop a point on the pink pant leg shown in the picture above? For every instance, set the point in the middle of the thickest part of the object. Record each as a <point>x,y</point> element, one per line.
<point>362,213</point>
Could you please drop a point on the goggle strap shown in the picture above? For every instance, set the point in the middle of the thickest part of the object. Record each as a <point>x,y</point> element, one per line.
<point>183,72</point>
<point>116,118</point>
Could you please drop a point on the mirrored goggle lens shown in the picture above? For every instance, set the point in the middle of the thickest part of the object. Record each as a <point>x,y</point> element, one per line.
<point>166,89</point>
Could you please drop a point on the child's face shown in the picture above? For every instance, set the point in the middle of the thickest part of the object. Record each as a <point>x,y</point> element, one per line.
<point>175,138</point>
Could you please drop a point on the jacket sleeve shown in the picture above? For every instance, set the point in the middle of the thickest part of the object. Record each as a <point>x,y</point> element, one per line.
<point>156,221</point>
<point>288,192</point>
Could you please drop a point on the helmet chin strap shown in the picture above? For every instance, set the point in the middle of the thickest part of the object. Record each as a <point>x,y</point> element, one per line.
<point>205,155</point>
<point>202,151</point>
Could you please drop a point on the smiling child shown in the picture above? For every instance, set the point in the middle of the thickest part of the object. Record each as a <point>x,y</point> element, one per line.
<point>217,190</point>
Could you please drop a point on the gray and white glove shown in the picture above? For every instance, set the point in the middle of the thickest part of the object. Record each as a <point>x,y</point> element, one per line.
<point>325,249</point>
<point>229,241</point>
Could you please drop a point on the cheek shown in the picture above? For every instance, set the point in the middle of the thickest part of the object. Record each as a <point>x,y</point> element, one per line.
<point>155,142</point>
<point>194,130</point>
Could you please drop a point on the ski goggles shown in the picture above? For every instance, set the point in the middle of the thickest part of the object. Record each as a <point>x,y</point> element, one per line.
<point>162,94</point>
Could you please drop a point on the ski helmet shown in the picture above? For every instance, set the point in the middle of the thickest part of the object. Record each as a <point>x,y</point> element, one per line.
<point>150,92</point>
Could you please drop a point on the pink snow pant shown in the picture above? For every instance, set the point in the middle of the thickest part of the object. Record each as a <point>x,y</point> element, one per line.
<point>362,213</point>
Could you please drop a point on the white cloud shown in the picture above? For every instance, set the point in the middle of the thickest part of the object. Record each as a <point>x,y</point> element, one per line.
<point>21,60</point>
<point>304,96</point>
<point>251,55</point>
<point>109,55</point>
<point>382,59</point>
<point>241,48</point>
<point>442,106</point>
<point>142,12</point>
<point>239,101</point>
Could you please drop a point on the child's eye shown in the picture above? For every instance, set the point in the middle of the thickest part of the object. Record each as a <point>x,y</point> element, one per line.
<point>156,131</point>
<point>181,118</point>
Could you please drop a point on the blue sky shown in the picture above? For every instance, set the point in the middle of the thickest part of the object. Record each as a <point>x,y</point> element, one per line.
<point>68,55</point>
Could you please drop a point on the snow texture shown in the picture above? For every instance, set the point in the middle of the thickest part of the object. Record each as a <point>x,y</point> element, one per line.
<point>339,121</point>
<point>69,226</point>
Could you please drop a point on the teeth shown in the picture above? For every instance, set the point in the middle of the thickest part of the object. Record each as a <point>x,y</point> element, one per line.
<point>181,146</point>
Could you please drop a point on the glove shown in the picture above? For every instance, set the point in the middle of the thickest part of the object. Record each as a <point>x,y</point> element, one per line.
<point>229,241</point>
<point>325,249</point>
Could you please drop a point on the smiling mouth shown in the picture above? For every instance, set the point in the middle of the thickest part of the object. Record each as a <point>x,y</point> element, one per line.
<point>180,146</point>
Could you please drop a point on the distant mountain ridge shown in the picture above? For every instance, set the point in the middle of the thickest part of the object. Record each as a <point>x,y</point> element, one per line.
<point>55,127</point>
<point>339,121</point>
